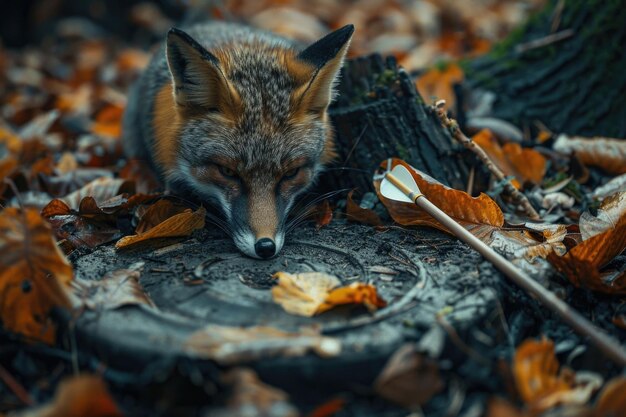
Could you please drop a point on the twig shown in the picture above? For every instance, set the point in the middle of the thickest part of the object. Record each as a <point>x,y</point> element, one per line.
<point>17,388</point>
<point>556,16</point>
<point>547,40</point>
<point>451,124</point>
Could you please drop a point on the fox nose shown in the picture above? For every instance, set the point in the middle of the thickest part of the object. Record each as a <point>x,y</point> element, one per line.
<point>265,247</point>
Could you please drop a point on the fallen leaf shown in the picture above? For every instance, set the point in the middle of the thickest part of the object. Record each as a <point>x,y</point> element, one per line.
<point>304,293</point>
<point>612,401</point>
<point>116,289</point>
<point>67,163</point>
<point>480,215</point>
<point>438,83</point>
<point>78,396</point>
<point>355,293</point>
<point>179,225</point>
<point>231,345</point>
<point>409,379</point>
<point>139,172</point>
<point>157,213</point>
<point>499,407</point>
<point>310,293</point>
<point>323,214</point>
<point>615,185</point>
<point>525,164</point>
<point>109,121</point>
<point>609,213</point>
<point>34,274</point>
<point>359,214</point>
<point>64,184</point>
<point>539,382</point>
<point>328,408</point>
<point>249,396</point>
<point>581,265</point>
<point>606,153</point>
<point>522,243</point>
<point>100,190</point>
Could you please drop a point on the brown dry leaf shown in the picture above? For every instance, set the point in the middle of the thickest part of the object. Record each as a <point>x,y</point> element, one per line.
<point>539,383</point>
<point>612,401</point>
<point>359,214</point>
<point>109,121</point>
<point>231,345</point>
<point>609,213</point>
<point>581,265</point>
<point>524,164</point>
<point>249,396</point>
<point>10,141</point>
<point>179,225</point>
<point>67,163</point>
<point>33,274</point>
<point>100,190</point>
<point>522,243</point>
<point>310,293</point>
<point>323,214</point>
<point>409,378</point>
<point>302,294</point>
<point>355,293</point>
<point>116,289</point>
<point>499,407</point>
<point>480,215</point>
<point>79,396</point>
<point>157,213</point>
<point>328,408</point>
<point>606,153</point>
<point>131,60</point>
<point>438,83</point>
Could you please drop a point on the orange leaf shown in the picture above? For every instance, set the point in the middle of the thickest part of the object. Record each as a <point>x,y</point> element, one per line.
<point>612,401</point>
<point>156,214</point>
<point>539,383</point>
<point>581,265</point>
<point>480,215</point>
<point>310,293</point>
<point>179,225</point>
<point>439,83</point>
<point>359,214</point>
<point>109,121</point>
<point>355,293</point>
<point>80,396</point>
<point>323,214</point>
<point>524,164</point>
<point>33,274</point>
<point>606,153</point>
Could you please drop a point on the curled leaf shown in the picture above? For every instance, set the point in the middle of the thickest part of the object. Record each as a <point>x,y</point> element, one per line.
<point>100,190</point>
<point>179,225</point>
<point>311,293</point>
<point>359,214</point>
<point>609,213</point>
<point>606,153</point>
<point>581,265</point>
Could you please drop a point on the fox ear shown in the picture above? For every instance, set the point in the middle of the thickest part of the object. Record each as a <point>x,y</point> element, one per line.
<point>198,79</point>
<point>326,57</point>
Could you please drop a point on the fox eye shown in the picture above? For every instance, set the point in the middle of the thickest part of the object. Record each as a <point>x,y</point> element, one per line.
<point>291,173</point>
<point>227,172</point>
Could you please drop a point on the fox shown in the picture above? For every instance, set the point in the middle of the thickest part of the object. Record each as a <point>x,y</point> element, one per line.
<point>237,117</point>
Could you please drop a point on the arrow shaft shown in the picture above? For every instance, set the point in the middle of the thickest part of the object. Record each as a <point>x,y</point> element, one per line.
<point>578,322</point>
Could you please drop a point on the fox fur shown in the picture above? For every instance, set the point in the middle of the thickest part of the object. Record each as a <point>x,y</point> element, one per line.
<point>238,117</point>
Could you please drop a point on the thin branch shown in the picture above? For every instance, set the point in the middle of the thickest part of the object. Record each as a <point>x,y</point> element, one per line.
<point>451,124</point>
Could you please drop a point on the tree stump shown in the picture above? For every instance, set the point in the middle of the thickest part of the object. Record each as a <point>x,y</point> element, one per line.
<point>379,114</point>
<point>564,68</point>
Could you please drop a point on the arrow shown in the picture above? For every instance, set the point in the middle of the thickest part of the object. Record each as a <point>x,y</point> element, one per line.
<point>399,185</point>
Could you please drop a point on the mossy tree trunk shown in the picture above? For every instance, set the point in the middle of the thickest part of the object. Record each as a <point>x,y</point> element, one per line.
<point>565,68</point>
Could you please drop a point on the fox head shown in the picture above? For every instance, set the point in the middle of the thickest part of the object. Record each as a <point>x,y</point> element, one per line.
<point>252,126</point>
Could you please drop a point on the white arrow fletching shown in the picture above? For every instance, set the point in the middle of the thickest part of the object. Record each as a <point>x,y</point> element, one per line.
<point>390,191</point>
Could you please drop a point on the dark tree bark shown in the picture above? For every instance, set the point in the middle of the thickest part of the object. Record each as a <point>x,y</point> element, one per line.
<point>565,68</point>
<point>379,114</point>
